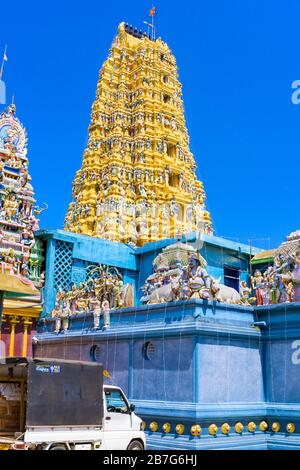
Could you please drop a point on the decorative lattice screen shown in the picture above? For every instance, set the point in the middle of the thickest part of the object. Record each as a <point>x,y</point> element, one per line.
<point>62,264</point>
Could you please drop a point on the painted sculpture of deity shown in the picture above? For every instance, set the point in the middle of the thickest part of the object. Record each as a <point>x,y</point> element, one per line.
<point>245,292</point>
<point>9,263</point>
<point>179,274</point>
<point>95,306</point>
<point>280,282</point>
<point>257,281</point>
<point>296,276</point>
<point>106,313</point>
<point>10,206</point>
<point>56,315</point>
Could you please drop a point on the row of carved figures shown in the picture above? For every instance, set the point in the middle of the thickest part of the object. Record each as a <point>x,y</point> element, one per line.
<point>103,290</point>
<point>279,283</point>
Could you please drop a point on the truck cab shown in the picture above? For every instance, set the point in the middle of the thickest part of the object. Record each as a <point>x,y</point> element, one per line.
<point>120,422</point>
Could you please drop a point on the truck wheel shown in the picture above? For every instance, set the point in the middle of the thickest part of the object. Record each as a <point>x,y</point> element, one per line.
<point>135,445</point>
<point>58,448</point>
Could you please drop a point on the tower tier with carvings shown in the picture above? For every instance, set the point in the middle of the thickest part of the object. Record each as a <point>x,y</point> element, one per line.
<point>17,211</point>
<point>137,182</point>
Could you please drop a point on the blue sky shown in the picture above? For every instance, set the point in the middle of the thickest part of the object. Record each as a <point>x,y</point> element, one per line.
<point>237,60</point>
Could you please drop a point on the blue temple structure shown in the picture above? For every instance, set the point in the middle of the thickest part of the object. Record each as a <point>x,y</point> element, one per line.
<point>202,333</point>
<point>203,374</point>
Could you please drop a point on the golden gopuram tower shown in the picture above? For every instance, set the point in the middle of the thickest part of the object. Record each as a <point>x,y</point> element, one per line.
<point>137,183</point>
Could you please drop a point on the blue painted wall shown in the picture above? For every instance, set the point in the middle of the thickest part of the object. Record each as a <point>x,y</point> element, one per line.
<point>282,351</point>
<point>166,377</point>
<point>224,377</point>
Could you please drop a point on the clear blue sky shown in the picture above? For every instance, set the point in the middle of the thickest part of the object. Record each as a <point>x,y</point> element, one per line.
<point>237,60</point>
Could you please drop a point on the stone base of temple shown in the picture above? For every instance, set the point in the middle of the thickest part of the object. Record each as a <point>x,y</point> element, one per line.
<point>203,375</point>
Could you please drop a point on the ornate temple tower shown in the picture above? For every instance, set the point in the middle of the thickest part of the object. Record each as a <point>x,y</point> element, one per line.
<point>17,211</point>
<point>137,182</point>
<point>20,256</point>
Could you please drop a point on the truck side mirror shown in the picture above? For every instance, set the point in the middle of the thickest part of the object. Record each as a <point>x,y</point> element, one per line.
<point>132,408</point>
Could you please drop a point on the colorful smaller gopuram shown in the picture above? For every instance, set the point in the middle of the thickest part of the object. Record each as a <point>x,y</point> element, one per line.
<point>19,254</point>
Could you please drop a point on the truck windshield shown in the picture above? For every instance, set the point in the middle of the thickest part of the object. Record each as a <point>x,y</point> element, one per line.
<point>115,402</point>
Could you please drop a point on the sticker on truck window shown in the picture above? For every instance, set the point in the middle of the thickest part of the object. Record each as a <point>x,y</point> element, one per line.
<point>48,368</point>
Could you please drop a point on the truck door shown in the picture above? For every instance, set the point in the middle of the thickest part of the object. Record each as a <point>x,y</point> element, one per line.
<point>117,419</point>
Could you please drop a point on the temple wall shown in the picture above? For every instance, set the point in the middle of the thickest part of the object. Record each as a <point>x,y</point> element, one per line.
<point>281,351</point>
<point>223,376</point>
<point>210,364</point>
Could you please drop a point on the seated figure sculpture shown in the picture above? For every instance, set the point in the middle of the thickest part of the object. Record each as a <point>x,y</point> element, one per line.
<point>179,274</point>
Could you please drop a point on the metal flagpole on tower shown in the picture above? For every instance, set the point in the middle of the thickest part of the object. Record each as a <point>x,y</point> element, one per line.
<point>153,27</point>
<point>2,84</point>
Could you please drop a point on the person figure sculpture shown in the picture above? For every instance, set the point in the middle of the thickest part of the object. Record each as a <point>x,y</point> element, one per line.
<point>10,205</point>
<point>60,295</point>
<point>245,293</point>
<point>56,315</point>
<point>200,280</point>
<point>9,262</point>
<point>290,291</point>
<point>106,313</point>
<point>66,312</point>
<point>256,283</point>
<point>72,297</point>
<point>95,305</point>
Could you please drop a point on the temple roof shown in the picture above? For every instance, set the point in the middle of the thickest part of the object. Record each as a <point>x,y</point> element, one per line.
<point>263,256</point>
<point>16,285</point>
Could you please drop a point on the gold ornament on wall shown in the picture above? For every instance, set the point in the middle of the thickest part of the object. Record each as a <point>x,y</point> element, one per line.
<point>153,426</point>
<point>263,426</point>
<point>179,429</point>
<point>166,427</point>
<point>276,427</point>
<point>251,426</point>
<point>213,429</point>
<point>238,427</point>
<point>290,428</point>
<point>195,430</point>
<point>225,428</point>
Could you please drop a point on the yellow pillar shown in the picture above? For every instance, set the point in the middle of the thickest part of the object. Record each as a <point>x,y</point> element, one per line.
<point>2,346</point>
<point>13,323</point>
<point>26,322</point>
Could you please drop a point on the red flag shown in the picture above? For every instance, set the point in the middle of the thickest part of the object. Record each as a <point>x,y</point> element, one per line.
<point>152,11</point>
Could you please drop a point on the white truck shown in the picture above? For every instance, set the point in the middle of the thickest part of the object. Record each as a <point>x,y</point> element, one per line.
<point>55,404</point>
